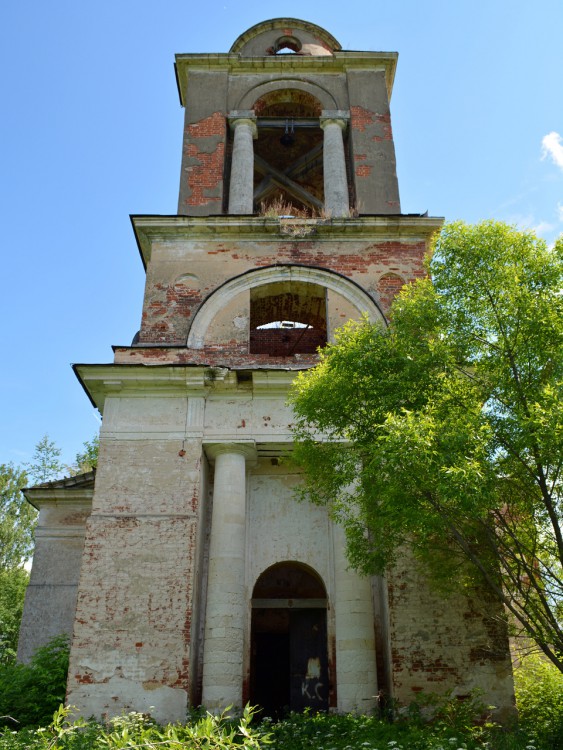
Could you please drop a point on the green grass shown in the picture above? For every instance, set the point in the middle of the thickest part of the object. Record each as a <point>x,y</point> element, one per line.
<point>30,694</point>
<point>348,732</point>
<point>296,732</point>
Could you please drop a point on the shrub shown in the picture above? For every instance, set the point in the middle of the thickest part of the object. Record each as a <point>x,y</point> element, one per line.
<point>136,731</point>
<point>539,698</point>
<point>13,584</point>
<point>30,693</point>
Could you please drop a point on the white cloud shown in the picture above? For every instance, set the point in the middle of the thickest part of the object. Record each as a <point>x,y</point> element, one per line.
<point>522,221</point>
<point>543,226</point>
<point>560,211</point>
<point>552,145</point>
<point>526,222</point>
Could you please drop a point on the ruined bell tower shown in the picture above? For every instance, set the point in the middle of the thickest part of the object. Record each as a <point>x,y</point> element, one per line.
<point>193,575</point>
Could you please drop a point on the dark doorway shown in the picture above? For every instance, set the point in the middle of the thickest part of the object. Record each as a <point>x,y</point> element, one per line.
<point>289,655</point>
<point>308,660</point>
<point>270,663</point>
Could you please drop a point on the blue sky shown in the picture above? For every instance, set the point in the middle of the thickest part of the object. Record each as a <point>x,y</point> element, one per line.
<point>91,131</point>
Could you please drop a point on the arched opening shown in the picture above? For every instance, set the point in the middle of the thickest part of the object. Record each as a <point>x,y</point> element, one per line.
<point>358,298</point>
<point>287,317</point>
<point>288,153</point>
<point>262,38</point>
<point>286,45</point>
<point>289,652</point>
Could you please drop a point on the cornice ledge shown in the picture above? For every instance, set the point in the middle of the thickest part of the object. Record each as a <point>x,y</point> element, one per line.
<point>218,60</point>
<point>272,380</point>
<point>150,228</point>
<point>119,375</point>
<point>339,62</point>
<point>70,498</point>
<point>101,380</point>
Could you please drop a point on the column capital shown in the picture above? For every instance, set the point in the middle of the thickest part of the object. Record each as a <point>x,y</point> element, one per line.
<point>338,117</point>
<point>246,448</point>
<point>239,116</point>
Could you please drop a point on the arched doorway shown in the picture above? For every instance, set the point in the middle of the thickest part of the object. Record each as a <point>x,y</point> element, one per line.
<point>289,654</point>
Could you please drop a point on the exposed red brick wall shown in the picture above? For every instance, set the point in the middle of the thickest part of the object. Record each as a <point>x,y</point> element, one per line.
<point>388,286</point>
<point>169,309</point>
<point>431,652</point>
<point>209,126</point>
<point>276,342</point>
<point>385,123</point>
<point>206,176</point>
<point>234,354</point>
<point>361,118</point>
<point>167,303</point>
<point>363,170</point>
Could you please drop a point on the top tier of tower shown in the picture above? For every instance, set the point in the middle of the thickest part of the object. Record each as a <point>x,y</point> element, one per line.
<point>287,122</point>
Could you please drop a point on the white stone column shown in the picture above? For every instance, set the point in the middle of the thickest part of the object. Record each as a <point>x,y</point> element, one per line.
<point>241,189</point>
<point>225,616</point>
<point>356,673</point>
<point>337,202</point>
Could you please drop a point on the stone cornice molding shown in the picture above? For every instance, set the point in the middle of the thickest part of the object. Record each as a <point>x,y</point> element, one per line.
<point>136,380</point>
<point>372,228</point>
<point>339,62</point>
<point>71,499</point>
<point>139,381</point>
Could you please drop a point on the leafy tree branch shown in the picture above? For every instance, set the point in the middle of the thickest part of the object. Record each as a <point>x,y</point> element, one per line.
<point>444,430</point>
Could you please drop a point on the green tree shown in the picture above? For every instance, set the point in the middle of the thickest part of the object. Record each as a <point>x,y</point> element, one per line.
<point>87,459</point>
<point>444,430</point>
<point>17,523</point>
<point>17,518</point>
<point>539,698</point>
<point>46,463</point>
<point>13,584</point>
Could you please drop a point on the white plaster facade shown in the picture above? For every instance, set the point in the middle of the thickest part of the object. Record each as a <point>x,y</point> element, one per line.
<point>233,436</point>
